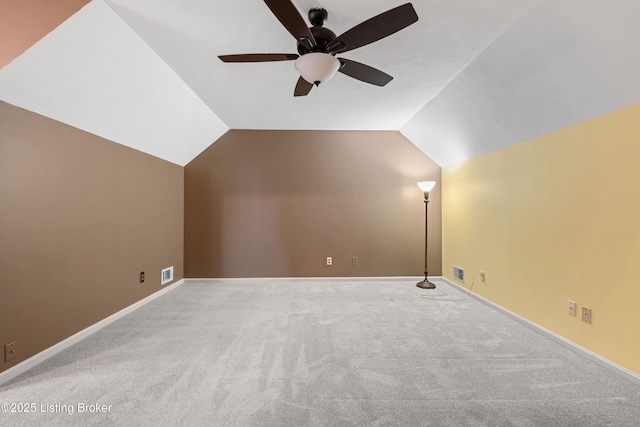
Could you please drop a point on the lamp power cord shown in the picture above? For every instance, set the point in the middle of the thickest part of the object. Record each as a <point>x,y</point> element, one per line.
<point>442,295</point>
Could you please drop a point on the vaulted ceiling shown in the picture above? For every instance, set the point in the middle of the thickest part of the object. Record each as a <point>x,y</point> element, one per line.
<point>469,77</point>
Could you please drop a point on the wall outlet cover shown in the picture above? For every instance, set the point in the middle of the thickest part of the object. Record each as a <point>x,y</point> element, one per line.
<point>571,308</point>
<point>586,314</point>
<point>10,351</point>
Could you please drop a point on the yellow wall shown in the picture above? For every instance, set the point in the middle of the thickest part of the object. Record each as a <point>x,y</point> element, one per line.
<point>552,219</point>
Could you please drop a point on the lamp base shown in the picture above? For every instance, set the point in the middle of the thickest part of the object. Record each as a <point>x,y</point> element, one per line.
<point>425,284</point>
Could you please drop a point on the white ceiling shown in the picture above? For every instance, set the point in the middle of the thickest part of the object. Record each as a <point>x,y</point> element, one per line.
<point>469,76</point>
<point>560,63</point>
<point>94,73</point>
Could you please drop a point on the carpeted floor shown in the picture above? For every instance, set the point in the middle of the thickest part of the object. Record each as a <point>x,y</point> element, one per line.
<point>319,353</point>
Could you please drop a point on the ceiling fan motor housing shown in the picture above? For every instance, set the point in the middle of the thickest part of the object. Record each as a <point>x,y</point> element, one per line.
<point>323,36</point>
<point>318,16</point>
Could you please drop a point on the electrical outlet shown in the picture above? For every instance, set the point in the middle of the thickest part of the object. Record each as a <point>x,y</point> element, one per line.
<point>586,314</point>
<point>571,307</point>
<point>482,276</point>
<point>10,351</point>
<point>354,261</point>
<point>329,260</point>
<point>142,277</point>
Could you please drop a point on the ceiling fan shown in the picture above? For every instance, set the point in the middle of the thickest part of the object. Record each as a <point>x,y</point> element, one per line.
<point>317,45</point>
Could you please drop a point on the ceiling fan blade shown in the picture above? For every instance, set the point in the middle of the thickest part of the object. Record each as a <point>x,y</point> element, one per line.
<point>374,29</point>
<point>289,16</point>
<point>259,57</point>
<point>303,87</point>
<point>364,72</point>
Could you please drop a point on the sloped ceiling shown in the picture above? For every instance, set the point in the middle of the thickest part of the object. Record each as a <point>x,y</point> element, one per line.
<point>94,73</point>
<point>560,63</point>
<point>469,77</point>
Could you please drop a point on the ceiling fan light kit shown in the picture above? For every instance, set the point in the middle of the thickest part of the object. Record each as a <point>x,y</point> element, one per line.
<point>317,45</point>
<point>317,67</point>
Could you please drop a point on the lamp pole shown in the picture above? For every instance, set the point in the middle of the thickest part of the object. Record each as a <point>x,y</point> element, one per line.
<point>426,186</point>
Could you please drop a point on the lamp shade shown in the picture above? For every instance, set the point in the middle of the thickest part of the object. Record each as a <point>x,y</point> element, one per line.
<point>317,67</point>
<point>426,186</point>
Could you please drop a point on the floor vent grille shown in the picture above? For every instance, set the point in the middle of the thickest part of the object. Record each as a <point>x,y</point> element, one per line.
<point>167,275</point>
<point>458,273</point>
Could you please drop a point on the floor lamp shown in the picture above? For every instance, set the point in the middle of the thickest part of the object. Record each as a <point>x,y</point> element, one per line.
<point>426,186</point>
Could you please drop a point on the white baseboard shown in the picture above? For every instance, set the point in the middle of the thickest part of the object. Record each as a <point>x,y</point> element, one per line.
<point>25,365</point>
<point>298,279</point>
<point>596,358</point>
